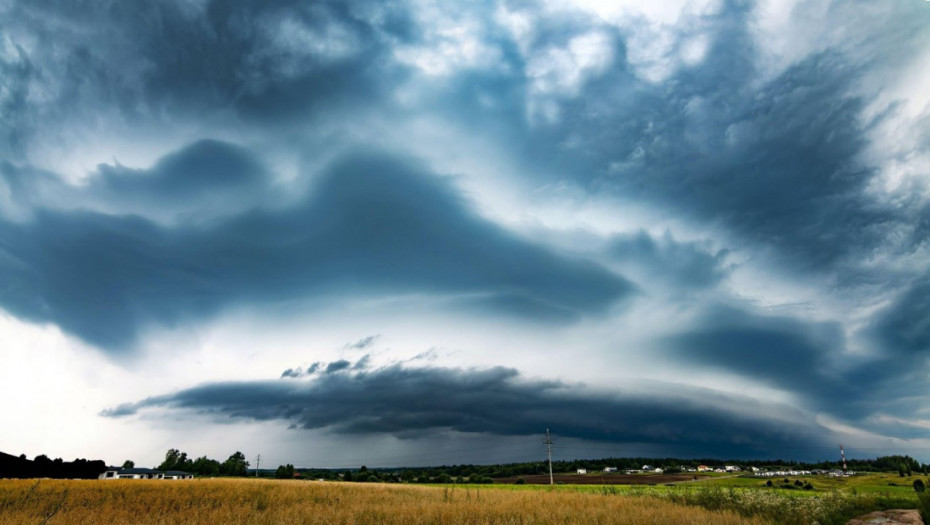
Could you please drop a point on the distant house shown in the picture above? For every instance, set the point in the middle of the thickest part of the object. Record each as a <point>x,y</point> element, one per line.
<point>139,473</point>
<point>704,468</point>
<point>731,468</point>
<point>610,469</point>
<point>582,471</point>
<point>143,473</point>
<point>179,474</point>
<point>647,468</point>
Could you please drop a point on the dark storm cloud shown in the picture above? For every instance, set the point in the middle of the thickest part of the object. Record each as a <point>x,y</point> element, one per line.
<point>684,264</point>
<point>809,360</point>
<point>408,402</point>
<point>374,224</point>
<point>776,162</point>
<point>903,328</point>
<point>194,173</point>
<point>266,61</point>
<point>776,351</point>
<point>203,180</point>
<point>298,372</point>
<point>337,366</point>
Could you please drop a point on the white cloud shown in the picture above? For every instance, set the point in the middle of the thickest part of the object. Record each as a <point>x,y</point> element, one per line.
<point>453,40</point>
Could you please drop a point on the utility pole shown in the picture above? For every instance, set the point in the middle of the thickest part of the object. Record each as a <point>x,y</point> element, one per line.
<point>549,455</point>
<point>258,461</point>
<point>843,456</point>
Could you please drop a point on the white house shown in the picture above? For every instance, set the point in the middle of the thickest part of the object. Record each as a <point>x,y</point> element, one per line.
<point>582,471</point>
<point>142,473</point>
<point>610,469</point>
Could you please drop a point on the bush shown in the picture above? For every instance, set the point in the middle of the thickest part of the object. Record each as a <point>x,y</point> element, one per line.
<point>520,481</point>
<point>919,486</point>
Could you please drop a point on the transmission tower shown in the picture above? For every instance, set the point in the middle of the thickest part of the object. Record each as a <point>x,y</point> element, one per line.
<point>549,455</point>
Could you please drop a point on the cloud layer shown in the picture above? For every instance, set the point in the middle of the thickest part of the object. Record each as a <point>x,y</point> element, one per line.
<point>718,197</point>
<point>374,224</point>
<point>413,402</point>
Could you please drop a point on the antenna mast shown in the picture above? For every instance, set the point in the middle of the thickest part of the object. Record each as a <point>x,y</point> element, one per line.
<point>843,457</point>
<point>549,455</point>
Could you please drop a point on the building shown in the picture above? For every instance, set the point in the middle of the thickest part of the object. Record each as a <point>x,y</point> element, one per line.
<point>143,473</point>
<point>704,468</point>
<point>582,471</point>
<point>180,474</point>
<point>610,469</point>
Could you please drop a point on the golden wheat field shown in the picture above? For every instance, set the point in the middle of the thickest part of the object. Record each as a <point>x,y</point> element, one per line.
<point>271,501</point>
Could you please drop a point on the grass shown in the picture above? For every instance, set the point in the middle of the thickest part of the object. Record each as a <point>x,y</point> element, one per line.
<point>714,500</point>
<point>272,501</point>
<point>832,501</point>
<point>923,506</point>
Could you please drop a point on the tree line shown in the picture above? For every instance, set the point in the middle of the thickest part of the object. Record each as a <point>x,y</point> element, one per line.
<point>467,473</point>
<point>235,464</point>
<point>44,467</point>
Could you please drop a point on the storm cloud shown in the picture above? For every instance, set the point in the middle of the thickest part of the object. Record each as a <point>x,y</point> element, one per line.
<point>374,224</point>
<point>618,193</point>
<point>408,402</point>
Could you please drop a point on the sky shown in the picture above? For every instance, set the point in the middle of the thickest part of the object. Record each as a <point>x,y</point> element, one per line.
<point>416,233</point>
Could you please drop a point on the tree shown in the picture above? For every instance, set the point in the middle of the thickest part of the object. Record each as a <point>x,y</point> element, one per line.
<point>235,465</point>
<point>285,472</point>
<point>204,466</point>
<point>919,485</point>
<point>171,460</point>
<point>129,463</point>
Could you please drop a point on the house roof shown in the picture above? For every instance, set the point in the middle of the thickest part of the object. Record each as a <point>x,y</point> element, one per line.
<point>176,473</point>
<point>139,471</point>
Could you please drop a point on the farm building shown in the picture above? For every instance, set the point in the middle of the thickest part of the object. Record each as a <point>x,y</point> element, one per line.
<point>704,468</point>
<point>582,471</point>
<point>143,473</point>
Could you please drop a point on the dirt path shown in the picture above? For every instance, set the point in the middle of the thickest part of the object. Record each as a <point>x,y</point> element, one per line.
<point>888,517</point>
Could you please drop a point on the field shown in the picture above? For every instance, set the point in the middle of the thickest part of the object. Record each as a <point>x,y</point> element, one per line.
<point>602,479</point>
<point>711,499</point>
<point>271,501</point>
